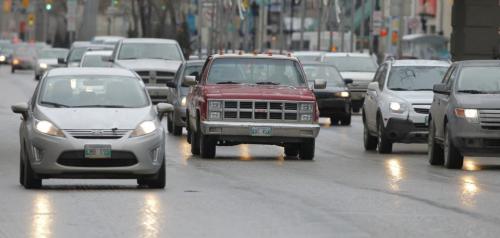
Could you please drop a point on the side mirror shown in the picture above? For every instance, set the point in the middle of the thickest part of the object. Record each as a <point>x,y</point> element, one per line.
<point>319,84</point>
<point>20,108</point>
<point>171,84</point>
<point>348,81</point>
<point>110,59</point>
<point>441,89</point>
<point>164,108</point>
<point>189,81</point>
<point>61,61</point>
<point>373,86</point>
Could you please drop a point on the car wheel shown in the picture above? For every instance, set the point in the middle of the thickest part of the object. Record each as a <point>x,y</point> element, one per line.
<point>195,142</point>
<point>170,124</point>
<point>207,146</point>
<point>30,179</point>
<point>452,157</point>
<point>435,151</point>
<point>369,141</point>
<point>384,145</point>
<point>21,169</point>
<point>291,150</point>
<point>37,77</point>
<point>177,130</point>
<point>158,181</point>
<point>346,120</point>
<point>306,150</point>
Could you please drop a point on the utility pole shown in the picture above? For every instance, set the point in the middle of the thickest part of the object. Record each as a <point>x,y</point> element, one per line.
<point>372,10</point>
<point>331,16</point>
<point>401,27</point>
<point>362,27</point>
<point>292,4</point>
<point>199,22</point>
<point>281,37</point>
<point>320,16</point>
<point>302,17</point>
<point>353,28</point>
<point>341,15</point>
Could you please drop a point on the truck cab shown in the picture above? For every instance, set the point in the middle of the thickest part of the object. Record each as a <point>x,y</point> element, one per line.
<point>252,99</point>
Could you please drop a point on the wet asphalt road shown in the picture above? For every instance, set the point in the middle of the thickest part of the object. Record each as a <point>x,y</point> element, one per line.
<point>251,191</point>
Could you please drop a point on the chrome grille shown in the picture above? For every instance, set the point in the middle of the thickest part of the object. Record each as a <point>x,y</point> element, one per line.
<point>156,77</point>
<point>97,134</point>
<point>422,108</point>
<point>490,119</point>
<point>261,110</point>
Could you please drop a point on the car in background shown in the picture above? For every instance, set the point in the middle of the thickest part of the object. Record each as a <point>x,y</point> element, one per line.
<point>6,54</point>
<point>49,58</point>
<point>465,114</point>
<point>99,58</point>
<point>155,60</point>
<point>309,56</point>
<point>252,99</point>
<point>23,57</point>
<point>91,123</point>
<point>359,67</point>
<point>397,103</point>
<point>79,48</point>
<point>39,46</point>
<point>178,95</point>
<point>334,101</point>
<point>106,40</point>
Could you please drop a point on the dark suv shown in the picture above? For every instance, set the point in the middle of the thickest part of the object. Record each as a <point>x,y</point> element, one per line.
<point>465,114</point>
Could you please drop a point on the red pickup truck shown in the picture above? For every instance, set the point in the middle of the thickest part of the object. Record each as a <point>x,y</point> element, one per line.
<point>252,99</point>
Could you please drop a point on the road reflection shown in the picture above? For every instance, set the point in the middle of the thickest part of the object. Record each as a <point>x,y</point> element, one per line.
<point>395,173</point>
<point>150,216</point>
<point>41,226</point>
<point>245,153</point>
<point>469,191</point>
<point>470,165</point>
<point>185,149</point>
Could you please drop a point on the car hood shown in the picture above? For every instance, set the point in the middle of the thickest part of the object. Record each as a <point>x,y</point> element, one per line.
<point>260,92</point>
<point>331,89</point>
<point>95,118</point>
<point>414,97</point>
<point>358,75</point>
<point>479,101</point>
<point>48,61</point>
<point>150,64</point>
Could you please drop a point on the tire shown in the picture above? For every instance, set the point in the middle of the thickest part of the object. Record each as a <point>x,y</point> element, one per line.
<point>306,150</point>
<point>346,120</point>
<point>207,146</point>
<point>369,141</point>
<point>30,180</point>
<point>334,121</point>
<point>37,77</point>
<point>195,142</point>
<point>384,145</point>
<point>453,159</point>
<point>177,130</point>
<point>21,170</point>
<point>158,181</point>
<point>435,151</point>
<point>291,150</point>
<point>170,125</point>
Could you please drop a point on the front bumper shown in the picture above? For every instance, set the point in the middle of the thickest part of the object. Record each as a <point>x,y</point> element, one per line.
<point>406,131</point>
<point>334,106</point>
<point>23,65</point>
<point>158,93</point>
<point>472,140</point>
<point>240,131</point>
<point>46,156</point>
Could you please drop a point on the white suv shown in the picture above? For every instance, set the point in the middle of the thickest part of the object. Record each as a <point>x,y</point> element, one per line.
<point>397,103</point>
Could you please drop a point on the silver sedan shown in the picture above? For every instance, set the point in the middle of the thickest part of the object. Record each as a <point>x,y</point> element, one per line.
<point>92,123</point>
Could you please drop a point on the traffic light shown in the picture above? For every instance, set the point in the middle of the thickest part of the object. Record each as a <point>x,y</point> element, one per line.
<point>31,19</point>
<point>48,5</point>
<point>116,2</point>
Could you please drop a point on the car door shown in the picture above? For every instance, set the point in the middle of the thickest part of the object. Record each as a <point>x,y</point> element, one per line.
<point>440,103</point>
<point>372,99</point>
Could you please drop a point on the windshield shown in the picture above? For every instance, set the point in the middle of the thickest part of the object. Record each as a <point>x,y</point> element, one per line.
<point>352,63</point>
<point>479,79</point>
<point>53,54</point>
<point>76,54</point>
<point>255,71</point>
<point>93,91</point>
<point>415,78</point>
<point>149,51</point>
<point>95,61</point>
<point>325,72</point>
<point>191,70</point>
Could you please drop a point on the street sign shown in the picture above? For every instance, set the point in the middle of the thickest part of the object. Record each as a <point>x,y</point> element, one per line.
<point>71,15</point>
<point>377,22</point>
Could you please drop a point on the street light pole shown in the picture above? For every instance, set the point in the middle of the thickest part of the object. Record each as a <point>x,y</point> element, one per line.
<point>401,27</point>
<point>320,13</point>
<point>353,29</point>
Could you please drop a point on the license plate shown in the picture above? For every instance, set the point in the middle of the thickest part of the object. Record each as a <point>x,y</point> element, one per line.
<point>261,131</point>
<point>97,151</point>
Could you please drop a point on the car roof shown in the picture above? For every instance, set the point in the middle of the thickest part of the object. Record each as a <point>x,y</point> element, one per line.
<point>195,62</point>
<point>347,54</point>
<point>308,63</point>
<point>417,62</point>
<point>80,43</point>
<point>108,37</point>
<point>315,53</point>
<point>255,56</point>
<point>148,40</point>
<point>90,71</point>
<point>478,63</point>
<point>99,52</point>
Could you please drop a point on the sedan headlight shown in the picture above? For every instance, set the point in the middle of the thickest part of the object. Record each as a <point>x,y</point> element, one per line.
<point>2,58</point>
<point>214,115</point>
<point>342,94</point>
<point>43,66</point>
<point>397,107</point>
<point>183,101</point>
<point>306,117</point>
<point>471,115</point>
<point>214,105</point>
<point>46,127</point>
<point>146,127</point>
<point>16,61</point>
<point>306,107</point>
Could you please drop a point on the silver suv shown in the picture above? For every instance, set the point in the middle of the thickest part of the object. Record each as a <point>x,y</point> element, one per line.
<point>397,103</point>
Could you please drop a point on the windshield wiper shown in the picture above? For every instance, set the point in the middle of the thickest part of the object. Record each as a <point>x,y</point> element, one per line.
<point>105,106</point>
<point>422,89</point>
<point>54,104</point>
<point>268,83</point>
<point>398,89</point>
<point>472,91</point>
<point>228,82</point>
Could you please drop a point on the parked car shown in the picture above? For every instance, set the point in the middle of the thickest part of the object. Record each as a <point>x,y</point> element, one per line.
<point>334,101</point>
<point>356,66</point>
<point>397,103</point>
<point>91,123</point>
<point>49,58</point>
<point>155,60</point>
<point>99,58</point>
<point>254,99</point>
<point>23,57</point>
<point>178,93</point>
<point>465,114</point>
<point>309,56</point>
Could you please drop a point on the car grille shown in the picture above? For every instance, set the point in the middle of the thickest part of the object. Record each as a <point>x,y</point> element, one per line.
<point>77,159</point>
<point>261,110</point>
<point>156,77</point>
<point>422,108</point>
<point>491,142</point>
<point>490,119</point>
<point>97,134</point>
